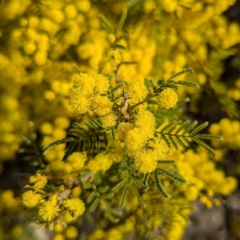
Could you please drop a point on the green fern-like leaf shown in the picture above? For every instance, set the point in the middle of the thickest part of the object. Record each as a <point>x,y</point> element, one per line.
<point>174,177</point>
<point>121,22</point>
<point>187,70</point>
<point>94,205</point>
<point>160,187</point>
<point>123,196</point>
<point>188,84</point>
<point>140,200</point>
<point>106,23</point>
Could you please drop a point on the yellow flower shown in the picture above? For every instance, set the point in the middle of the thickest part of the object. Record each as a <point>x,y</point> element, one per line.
<point>79,102</point>
<point>85,83</point>
<point>160,148</point>
<point>77,160</point>
<point>111,38</point>
<point>145,161</point>
<point>101,105</point>
<point>101,162</point>
<point>137,92</point>
<point>102,83</point>
<point>31,199</point>
<point>39,180</point>
<point>146,122</point>
<point>49,209</point>
<point>76,206</point>
<point>135,139</point>
<point>71,232</point>
<point>122,129</point>
<point>108,120</point>
<point>167,98</point>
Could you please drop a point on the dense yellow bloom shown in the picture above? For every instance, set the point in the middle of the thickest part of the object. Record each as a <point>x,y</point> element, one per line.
<point>75,206</point>
<point>146,122</point>
<point>167,98</point>
<point>135,139</point>
<point>122,129</point>
<point>102,83</point>
<point>169,5</point>
<point>71,232</point>
<point>38,180</point>
<point>79,102</point>
<point>102,162</point>
<point>111,38</point>
<point>31,199</point>
<point>49,209</point>
<point>145,161</point>
<point>160,148</point>
<point>137,92</point>
<point>77,160</point>
<point>108,120</point>
<point>101,105</point>
<point>85,83</point>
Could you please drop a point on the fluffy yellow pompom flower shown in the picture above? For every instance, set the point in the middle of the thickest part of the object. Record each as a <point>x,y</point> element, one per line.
<point>85,83</point>
<point>102,83</point>
<point>160,148</point>
<point>108,120</point>
<point>146,122</point>
<point>101,105</point>
<point>167,98</point>
<point>50,209</point>
<point>71,232</point>
<point>169,5</point>
<point>135,139</point>
<point>145,161</point>
<point>31,199</point>
<point>76,206</point>
<point>122,129</point>
<point>79,102</point>
<point>137,92</point>
<point>101,162</point>
<point>38,180</point>
<point>111,38</point>
<point>77,160</point>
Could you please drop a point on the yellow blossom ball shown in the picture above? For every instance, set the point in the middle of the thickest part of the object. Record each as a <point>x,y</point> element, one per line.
<point>135,139</point>
<point>137,92</point>
<point>79,102</point>
<point>71,232</point>
<point>76,192</point>
<point>111,38</point>
<point>102,162</point>
<point>108,120</point>
<point>76,206</point>
<point>77,160</point>
<point>38,180</point>
<point>101,105</point>
<point>145,121</point>
<point>145,161</point>
<point>31,199</point>
<point>71,11</point>
<point>84,83</point>
<point>49,209</point>
<point>169,5</point>
<point>58,237</point>
<point>46,128</point>
<point>84,5</point>
<point>102,83</point>
<point>122,129</point>
<point>167,98</point>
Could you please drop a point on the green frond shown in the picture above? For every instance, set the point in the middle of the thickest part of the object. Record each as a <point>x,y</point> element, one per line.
<point>26,140</point>
<point>173,143</point>
<point>76,70</point>
<point>125,36</point>
<point>174,177</point>
<point>128,62</point>
<point>69,150</point>
<point>106,23</point>
<point>33,131</point>
<point>188,84</point>
<point>209,137</point>
<point>119,85</point>
<point>170,85</point>
<point>160,187</point>
<point>27,150</point>
<point>119,185</point>
<point>138,183</point>
<point>82,145</point>
<point>198,128</point>
<point>111,218</point>
<point>173,127</point>
<point>203,144</point>
<point>187,70</point>
<point>182,126</point>
<point>94,205</point>
<point>140,200</point>
<point>103,189</point>
<point>151,101</point>
<point>170,162</point>
<point>87,186</point>
<point>149,84</point>
<point>121,22</point>
<point>123,196</point>
<point>105,138</point>
<point>56,143</point>
<point>190,126</point>
<point>91,197</point>
<point>165,140</point>
<point>120,46</point>
<point>116,212</point>
<point>108,196</point>
<point>183,145</point>
<point>146,179</point>
<point>112,133</point>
